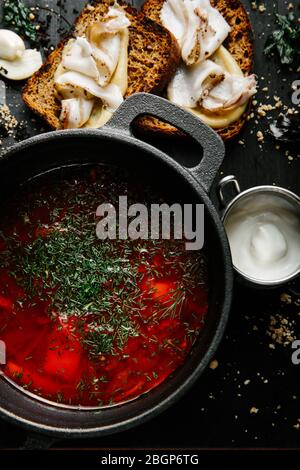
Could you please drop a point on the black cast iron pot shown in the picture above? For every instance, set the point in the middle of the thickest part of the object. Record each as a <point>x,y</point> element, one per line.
<point>115,145</point>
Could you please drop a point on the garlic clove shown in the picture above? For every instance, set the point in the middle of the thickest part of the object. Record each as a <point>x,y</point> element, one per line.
<point>22,68</point>
<point>12,47</point>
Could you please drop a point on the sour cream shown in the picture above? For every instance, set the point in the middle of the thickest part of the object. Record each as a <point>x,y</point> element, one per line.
<point>263,229</point>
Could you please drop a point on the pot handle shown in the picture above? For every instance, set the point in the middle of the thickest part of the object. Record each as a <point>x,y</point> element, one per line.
<point>224,182</point>
<point>141,104</point>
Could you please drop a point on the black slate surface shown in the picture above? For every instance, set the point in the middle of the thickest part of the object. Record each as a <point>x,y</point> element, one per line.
<point>216,412</point>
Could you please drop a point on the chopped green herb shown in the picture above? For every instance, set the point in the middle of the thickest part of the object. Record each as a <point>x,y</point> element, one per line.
<point>16,17</point>
<point>285,40</point>
<point>99,343</point>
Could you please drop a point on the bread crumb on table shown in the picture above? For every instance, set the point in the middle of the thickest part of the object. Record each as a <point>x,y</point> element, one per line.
<point>286,298</point>
<point>214,364</point>
<point>281,330</point>
<point>7,120</point>
<point>264,108</point>
<point>260,136</point>
<point>262,8</point>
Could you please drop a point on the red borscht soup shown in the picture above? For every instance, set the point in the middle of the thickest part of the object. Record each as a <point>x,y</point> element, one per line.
<point>85,321</point>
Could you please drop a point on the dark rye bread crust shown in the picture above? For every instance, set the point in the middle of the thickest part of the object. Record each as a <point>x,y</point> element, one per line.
<point>240,45</point>
<point>153,56</point>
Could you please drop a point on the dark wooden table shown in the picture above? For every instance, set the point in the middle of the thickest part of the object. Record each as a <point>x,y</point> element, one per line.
<point>251,373</point>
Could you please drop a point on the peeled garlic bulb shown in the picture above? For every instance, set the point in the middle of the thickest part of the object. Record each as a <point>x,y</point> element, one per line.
<point>12,47</point>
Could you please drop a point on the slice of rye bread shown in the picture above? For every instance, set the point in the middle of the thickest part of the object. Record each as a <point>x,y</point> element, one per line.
<point>239,43</point>
<point>153,56</point>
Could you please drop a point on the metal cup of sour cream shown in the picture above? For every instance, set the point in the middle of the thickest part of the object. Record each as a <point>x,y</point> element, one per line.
<point>263,229</point>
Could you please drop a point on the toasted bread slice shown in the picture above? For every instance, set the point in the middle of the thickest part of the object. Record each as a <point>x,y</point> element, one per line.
<point>153,56</point>
<point>240,45</point>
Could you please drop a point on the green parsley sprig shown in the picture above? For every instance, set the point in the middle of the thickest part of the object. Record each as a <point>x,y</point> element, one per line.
<point>285,40</point>
<point>16,17</point>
